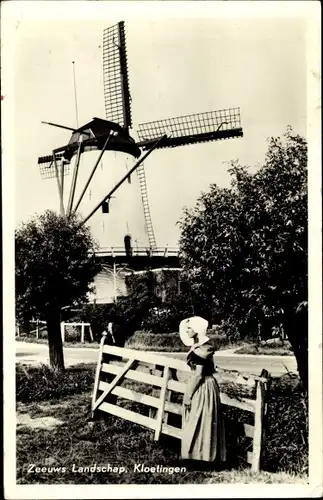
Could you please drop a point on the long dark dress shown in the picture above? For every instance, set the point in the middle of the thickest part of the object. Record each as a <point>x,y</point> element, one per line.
<point>203,435</point>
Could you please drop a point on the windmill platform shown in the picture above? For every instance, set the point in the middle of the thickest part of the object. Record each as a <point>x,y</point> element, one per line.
<point>117,265</point>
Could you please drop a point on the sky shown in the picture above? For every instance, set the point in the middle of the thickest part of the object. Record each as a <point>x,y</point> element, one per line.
<point>178,65</point>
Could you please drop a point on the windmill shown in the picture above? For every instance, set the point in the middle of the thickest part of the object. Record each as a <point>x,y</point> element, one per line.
<point>113,133</point>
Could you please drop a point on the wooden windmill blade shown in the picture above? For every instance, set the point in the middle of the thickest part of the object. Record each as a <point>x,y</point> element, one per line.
<point>118,103</point>
<point>115,76</point>
<point>192,129</point>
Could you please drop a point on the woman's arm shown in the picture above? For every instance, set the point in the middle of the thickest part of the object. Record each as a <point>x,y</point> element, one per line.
<point>193,384</point>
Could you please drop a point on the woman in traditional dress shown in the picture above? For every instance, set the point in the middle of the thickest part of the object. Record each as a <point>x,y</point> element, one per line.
<point>203,436</point>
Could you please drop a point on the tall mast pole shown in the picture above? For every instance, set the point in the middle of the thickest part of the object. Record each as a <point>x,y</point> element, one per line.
<point>75,96</point>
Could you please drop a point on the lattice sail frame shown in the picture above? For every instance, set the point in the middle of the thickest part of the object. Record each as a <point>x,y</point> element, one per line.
<point>190,129</point>
<point>47,167</point>
<point>115,76</point>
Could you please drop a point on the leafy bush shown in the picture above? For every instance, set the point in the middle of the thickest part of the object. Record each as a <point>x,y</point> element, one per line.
<point>283,350</point>
<point>166,317</point>
<point>170,342</point>
<point>98,315</point>
<point>72,333</point>
<point>287,427</point>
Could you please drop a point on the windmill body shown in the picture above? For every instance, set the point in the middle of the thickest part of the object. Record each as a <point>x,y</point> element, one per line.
<point>107,166</point>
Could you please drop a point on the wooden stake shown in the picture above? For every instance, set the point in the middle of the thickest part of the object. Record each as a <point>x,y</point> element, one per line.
<point>63,331</point>
<point>157,371</point>
<point>258,428</point>
<point>97,371</point>
<point>173,376</point>
<point>160,413</point>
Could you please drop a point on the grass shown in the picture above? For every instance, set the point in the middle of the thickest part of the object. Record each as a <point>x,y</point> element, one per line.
<point>247,477</point>
<point>33,340</point>
<point>39,383</point>
<point>272,350</point>
<point>110,440</point>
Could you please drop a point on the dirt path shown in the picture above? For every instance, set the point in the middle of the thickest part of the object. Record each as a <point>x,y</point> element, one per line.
<point>25,420</point>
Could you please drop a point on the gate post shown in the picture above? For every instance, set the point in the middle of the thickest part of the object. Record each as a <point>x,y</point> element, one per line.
<point>63,331</point>
<point>258,438</point>
<point>160,411</point>
<point>97,372</point>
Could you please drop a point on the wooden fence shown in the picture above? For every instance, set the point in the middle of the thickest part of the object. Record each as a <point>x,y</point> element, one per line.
<point>64,324</point>
<point>165,378</point>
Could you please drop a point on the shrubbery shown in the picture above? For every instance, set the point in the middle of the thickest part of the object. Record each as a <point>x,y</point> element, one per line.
<point>142,309</point>
<point>98,315</point>
<point>170,342</point>
<point>142,340</point>
<point>287,427</point>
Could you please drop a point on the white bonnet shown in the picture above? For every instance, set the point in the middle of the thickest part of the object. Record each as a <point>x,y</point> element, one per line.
<point>190,327</point>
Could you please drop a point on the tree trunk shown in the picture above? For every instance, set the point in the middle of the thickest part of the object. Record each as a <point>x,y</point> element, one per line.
<point>301,355</point>
<point>296,328</point>
<point>56,357</point>
<point>26,326</point>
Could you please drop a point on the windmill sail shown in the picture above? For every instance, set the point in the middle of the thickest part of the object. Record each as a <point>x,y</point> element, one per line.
<point>192,129</point>
<point>115,76</point>
<point>47,167</point>
<point>113,133</point>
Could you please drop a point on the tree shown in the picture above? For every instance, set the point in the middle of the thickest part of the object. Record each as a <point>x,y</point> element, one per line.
<point>245,247</point>
<point>55,266</point>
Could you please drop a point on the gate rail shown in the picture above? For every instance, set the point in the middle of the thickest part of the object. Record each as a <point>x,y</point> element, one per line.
<point>161,374</point>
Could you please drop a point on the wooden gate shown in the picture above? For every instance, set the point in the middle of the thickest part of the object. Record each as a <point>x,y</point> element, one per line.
<point>162,380</point>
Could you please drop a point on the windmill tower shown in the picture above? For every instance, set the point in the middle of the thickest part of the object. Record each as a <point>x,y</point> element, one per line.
<point>115,134</point>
